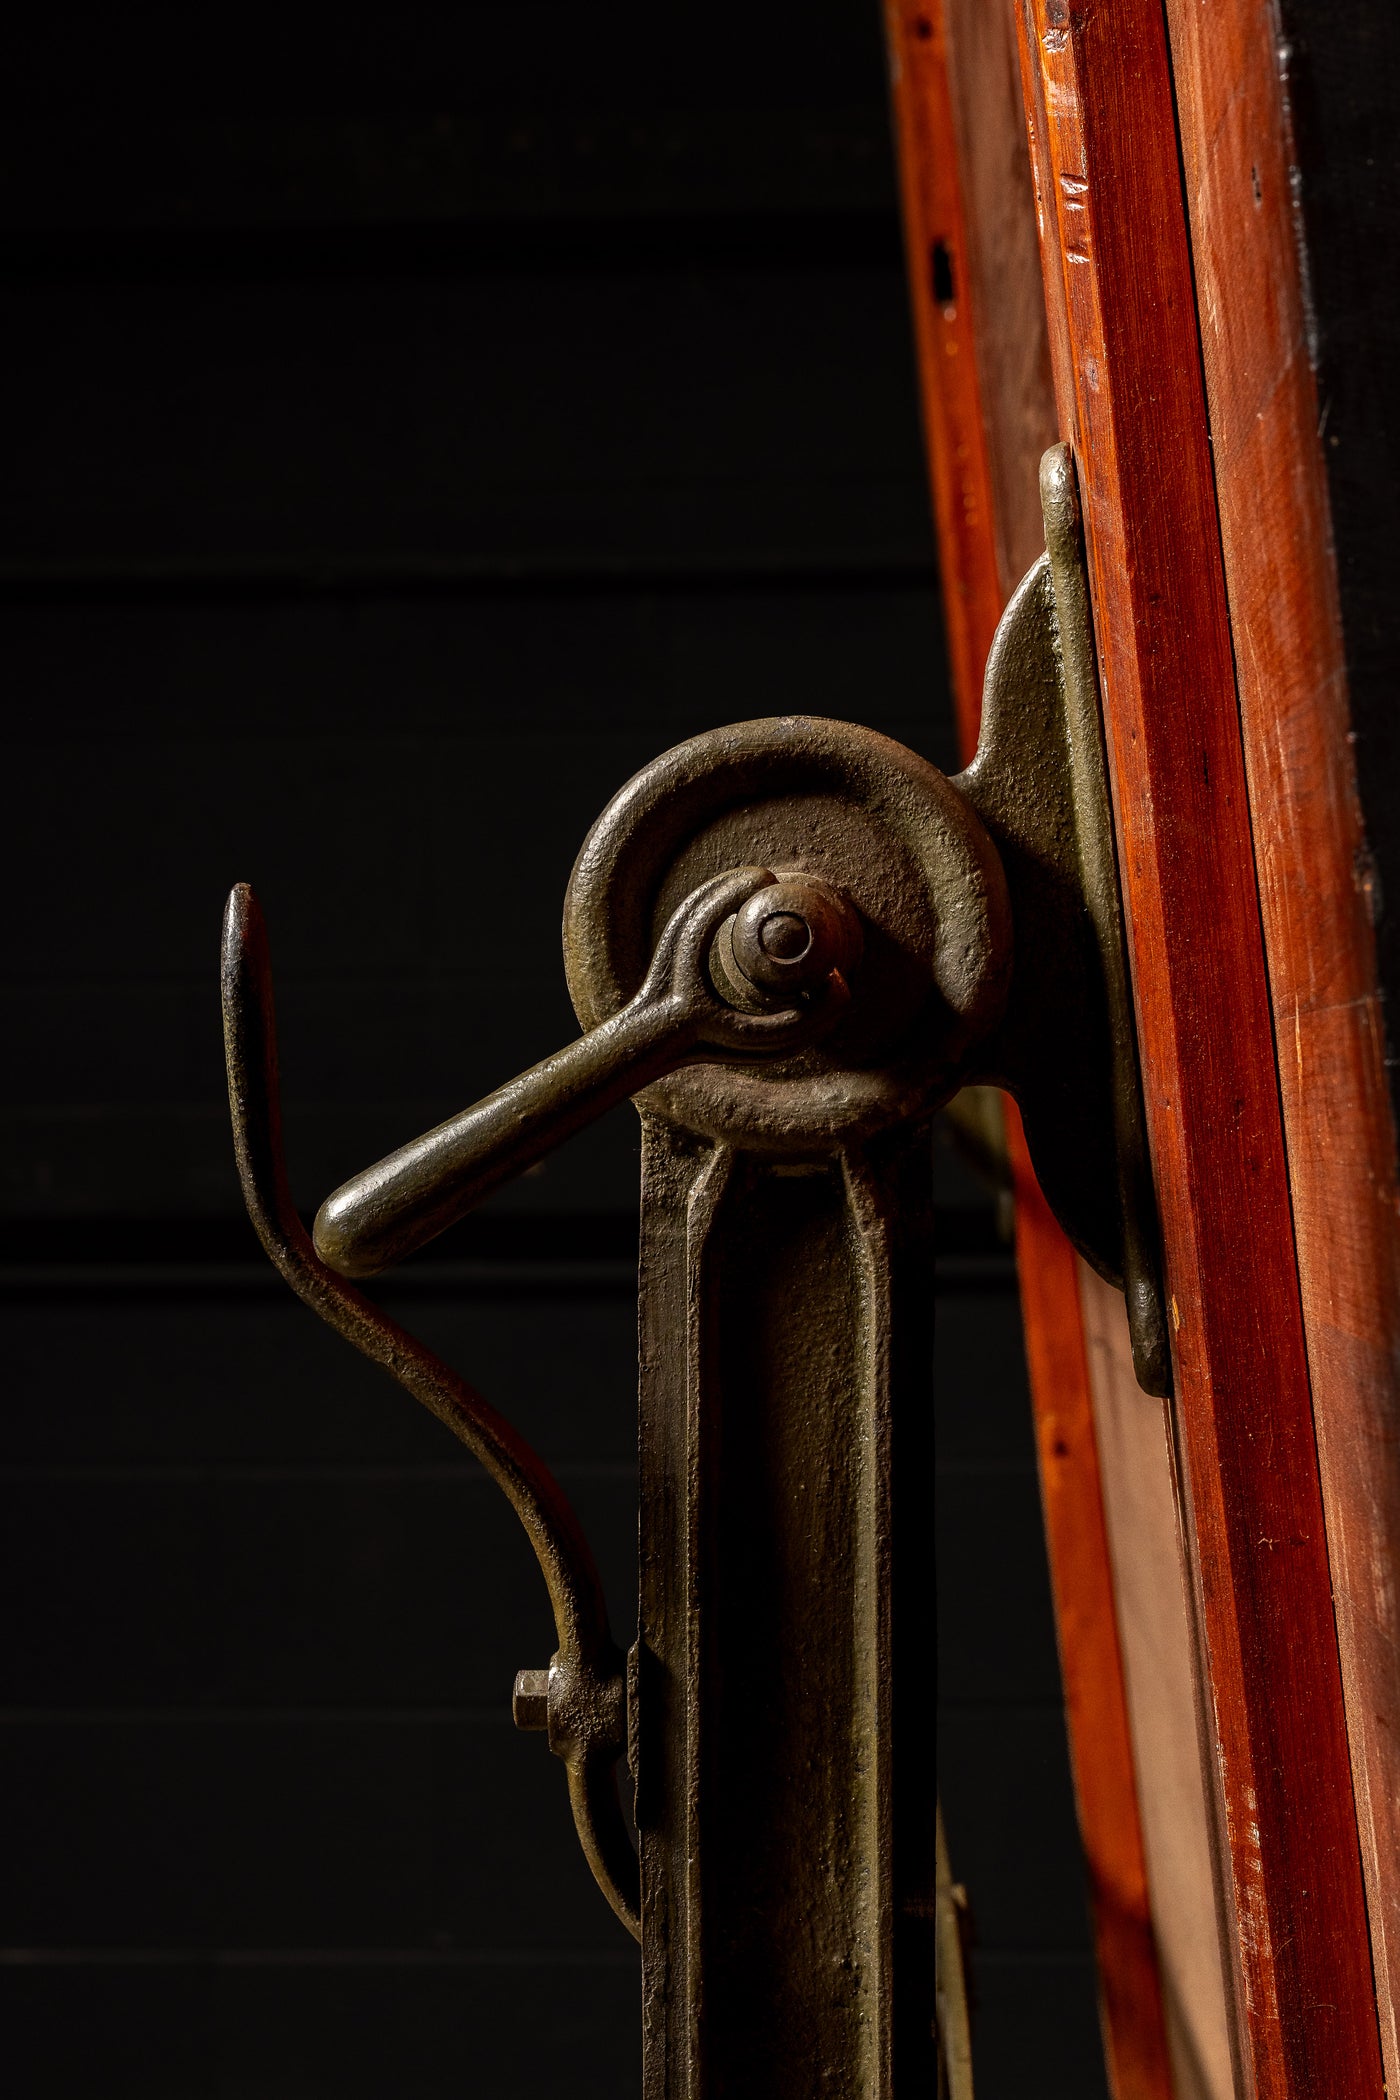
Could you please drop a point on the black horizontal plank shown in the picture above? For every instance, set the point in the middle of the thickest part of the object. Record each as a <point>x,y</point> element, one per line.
<point>438,1040</point>
<point>715,415</point>
<point>515,175</point>
<point>420,753</point>
<point>585,1254</point>
<point>304,1587</point>
<point>340,1832</point>
<point>417,58</point>
<point>384,855</point>
<point>655,660</point>
<point>211,1374</point>
<point>174,580</point>
<point>658,660</point>
<point>107,1260</point>
<point>420,760</point>
<point>313,242</point>
<point>70,1166</point>
<point>198,1368</point>
<point>170,1160</point>
<point>212,2028</point>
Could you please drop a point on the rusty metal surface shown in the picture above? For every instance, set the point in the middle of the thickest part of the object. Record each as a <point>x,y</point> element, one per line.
<point>784,1796</point>
<point>865,815</point>
<point>791,940</point>
<point>676,1016</point>
<point>784,1736</point>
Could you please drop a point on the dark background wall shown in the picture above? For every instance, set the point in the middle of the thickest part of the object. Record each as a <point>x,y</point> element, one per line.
<point>411,427</point>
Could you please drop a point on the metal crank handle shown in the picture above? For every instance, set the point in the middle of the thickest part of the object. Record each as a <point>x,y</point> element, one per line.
<point>748,967</point>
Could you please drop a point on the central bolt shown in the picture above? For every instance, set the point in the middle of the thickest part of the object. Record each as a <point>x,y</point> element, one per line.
<point>785,936</point>
<point>790,936</point>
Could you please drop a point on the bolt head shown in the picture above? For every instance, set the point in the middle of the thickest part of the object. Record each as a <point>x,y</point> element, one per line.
<point>785,936</point>
<point>530,1700</point>
<point>792,934</point>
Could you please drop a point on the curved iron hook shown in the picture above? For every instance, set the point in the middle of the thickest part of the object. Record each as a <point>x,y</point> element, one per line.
<point>588,1664</point>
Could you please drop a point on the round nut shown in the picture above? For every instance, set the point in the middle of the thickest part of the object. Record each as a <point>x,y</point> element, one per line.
<point>784,936</point>
<point>789,937</point>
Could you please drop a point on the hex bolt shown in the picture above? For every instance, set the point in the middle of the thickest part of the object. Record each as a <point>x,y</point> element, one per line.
<point>530,1700</point>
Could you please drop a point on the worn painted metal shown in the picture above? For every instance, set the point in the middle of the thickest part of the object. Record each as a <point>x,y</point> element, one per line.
<point>791,940</point>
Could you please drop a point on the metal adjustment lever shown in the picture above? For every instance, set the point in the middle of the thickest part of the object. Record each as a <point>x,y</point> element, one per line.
<point>776,980</point>
<point>698,1001</point>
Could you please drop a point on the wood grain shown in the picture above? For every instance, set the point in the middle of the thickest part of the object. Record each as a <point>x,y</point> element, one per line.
<point>989,413</point>
<point>1128,372</point>
<point>1160,1666</point>
<point>1314,873</point>
<point>941,303</point>
<point>1091,1657</point>
<point>993,172</point>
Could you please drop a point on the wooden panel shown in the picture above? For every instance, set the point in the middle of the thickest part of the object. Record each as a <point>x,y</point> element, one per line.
<point>1160,1666</point>
<point>1090,1651</point>
<point>1119,269</point>
<point>988,412</point>
<point>1003,1763</point>
<point>1314,873</point>
<point>1134,1461</point>
<point>1003,274</point>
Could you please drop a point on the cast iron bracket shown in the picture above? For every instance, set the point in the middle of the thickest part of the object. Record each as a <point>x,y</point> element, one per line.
<point>1066,1047</point>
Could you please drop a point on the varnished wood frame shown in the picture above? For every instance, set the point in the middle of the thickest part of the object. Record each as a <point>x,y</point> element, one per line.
<point>987,512</point>
<point>1311,860</point>
<point>975,585</point>
<point>1127,355</point>
<point>1314,871</point>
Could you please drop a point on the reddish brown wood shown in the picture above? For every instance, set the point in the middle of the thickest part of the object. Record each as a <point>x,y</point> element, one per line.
<point>1118,269</point>
<point>988,414</point>
<point>1161,1651</point>
<point>935,229</point>
<point>1091,1660</point>
<point>1311,857</point>
<point>1007,318</point>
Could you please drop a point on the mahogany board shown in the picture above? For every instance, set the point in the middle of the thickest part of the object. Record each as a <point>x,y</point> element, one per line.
<point>988,413</point>
<point>1127,357</point>
<point>1316,874</point>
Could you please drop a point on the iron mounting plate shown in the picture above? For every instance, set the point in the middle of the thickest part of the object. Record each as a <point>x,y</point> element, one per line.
<point>1066,1045</point>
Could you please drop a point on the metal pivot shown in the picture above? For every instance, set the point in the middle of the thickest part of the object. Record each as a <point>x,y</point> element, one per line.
<point>791,940</point>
